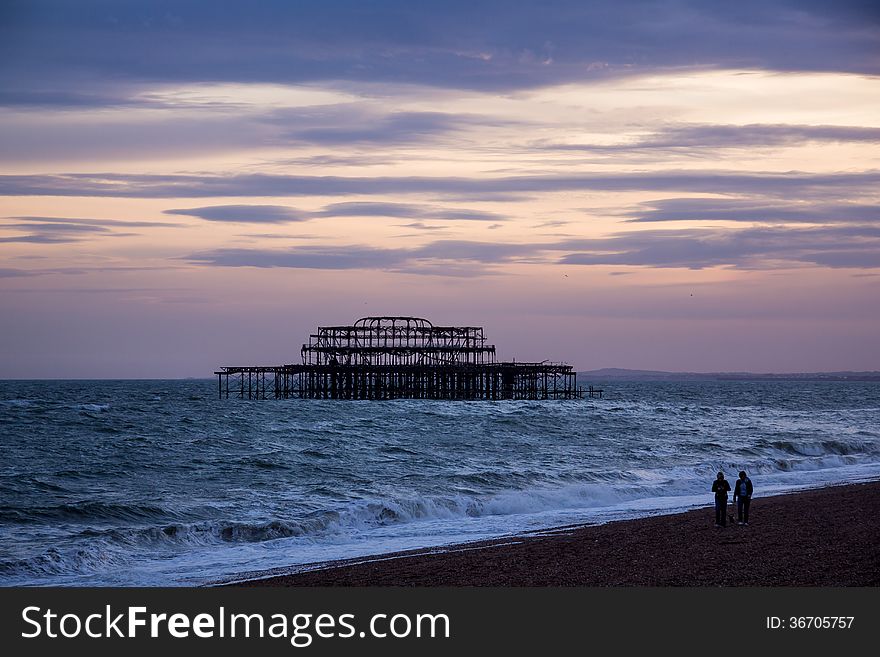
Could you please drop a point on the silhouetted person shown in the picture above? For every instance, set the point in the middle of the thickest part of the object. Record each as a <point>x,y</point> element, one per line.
<point>742,497</point>
<point>720,488</point>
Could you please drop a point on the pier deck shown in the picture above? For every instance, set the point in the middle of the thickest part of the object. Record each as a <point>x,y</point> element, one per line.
<point>401,358</point>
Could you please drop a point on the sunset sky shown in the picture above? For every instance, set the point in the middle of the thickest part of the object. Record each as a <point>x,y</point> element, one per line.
<point>659,185</point>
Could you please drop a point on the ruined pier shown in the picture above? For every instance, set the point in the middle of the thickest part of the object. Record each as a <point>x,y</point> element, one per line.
<point>401,358</point>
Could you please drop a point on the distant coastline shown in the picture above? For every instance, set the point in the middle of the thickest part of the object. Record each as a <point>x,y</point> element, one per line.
<point>618,374</point>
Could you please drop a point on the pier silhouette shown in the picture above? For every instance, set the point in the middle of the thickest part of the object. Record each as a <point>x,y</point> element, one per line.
<point>401,358</point>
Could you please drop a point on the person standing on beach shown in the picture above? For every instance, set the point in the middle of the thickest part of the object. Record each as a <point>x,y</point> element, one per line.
<point>742,497</point>
<point>720,487</point>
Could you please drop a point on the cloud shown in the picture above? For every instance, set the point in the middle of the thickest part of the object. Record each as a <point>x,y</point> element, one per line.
<point>482,252</point>
<point>867,258</point>
<point>306,257</point>
<point>484,45</point>
<point>749,210</point>
<point>552,224</point>
<point>804,185</point>
<point>854,246</point>
<point>695,137</point>
<point>112,223</point>
<point>752,248</point>
<point>456,256</point>
<point>418,225</point>
<point>51,233</point>
<point>38,239</point>
<point>78,271</point>
<point>338,126</point>
<point>261,214</point>
<point>741,136</point>
<point>6,272</point>
<point>67,99</point>
<point>339,160</point>
<point>277,214</point>
<point>277,236</point>
<point>62,230</point>
<point>201,126</point>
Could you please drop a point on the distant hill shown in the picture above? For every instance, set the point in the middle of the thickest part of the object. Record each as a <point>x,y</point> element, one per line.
<point>618,374</point>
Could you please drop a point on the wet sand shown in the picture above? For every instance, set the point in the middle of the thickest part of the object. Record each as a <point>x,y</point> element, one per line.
<point>823,537</point>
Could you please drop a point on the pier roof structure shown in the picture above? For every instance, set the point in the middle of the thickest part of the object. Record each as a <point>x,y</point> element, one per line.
<point>393,357</point>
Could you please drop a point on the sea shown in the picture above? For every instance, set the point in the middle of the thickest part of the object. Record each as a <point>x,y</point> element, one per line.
<point>160,483</point>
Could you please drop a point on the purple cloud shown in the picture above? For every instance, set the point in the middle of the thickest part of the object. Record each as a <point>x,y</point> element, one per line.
<point>259,214</point>
<point>804,185</point>
<point>277,214</point>
<point>752,210</point>
<point>697,137</point>
<point>486,45</point>
<point>855,246</point>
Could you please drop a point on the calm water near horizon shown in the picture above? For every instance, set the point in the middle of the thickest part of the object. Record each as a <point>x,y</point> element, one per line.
<point>160,483</point>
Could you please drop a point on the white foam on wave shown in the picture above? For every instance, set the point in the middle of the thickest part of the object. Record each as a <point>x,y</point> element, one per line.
<point>94,408</point>
<point>21,403</point>
<point>380,526</point>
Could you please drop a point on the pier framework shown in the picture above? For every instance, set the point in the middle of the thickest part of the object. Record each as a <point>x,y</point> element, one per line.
<point>401,358</point>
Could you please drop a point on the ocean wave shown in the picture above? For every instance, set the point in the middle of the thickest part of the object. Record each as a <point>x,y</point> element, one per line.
<point>54,561</point>
<point>84,512</point>
<point>364,515</point>
<point>827,447</point>
<point>101,550</point>
<point>94,408</point>
<point>18,403</point>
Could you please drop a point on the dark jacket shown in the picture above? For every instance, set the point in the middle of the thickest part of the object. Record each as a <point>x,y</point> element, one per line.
<point>720,488</point>
<point>749,488</point>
